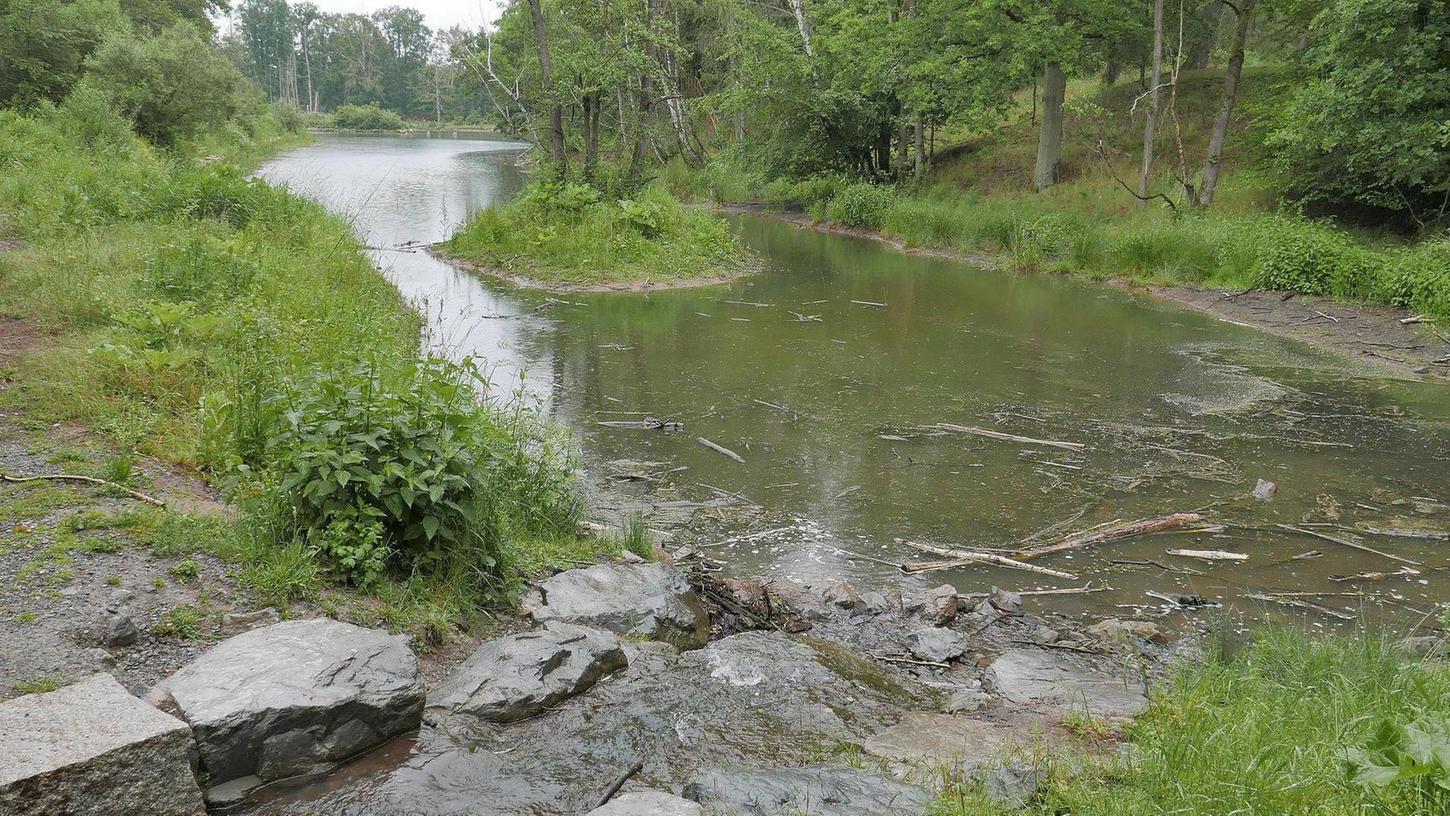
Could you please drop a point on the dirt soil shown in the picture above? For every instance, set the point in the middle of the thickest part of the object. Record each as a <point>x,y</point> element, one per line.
<point>1368,333</point>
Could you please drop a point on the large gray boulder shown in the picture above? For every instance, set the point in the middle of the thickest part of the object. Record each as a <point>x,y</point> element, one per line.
<point>1048,683</point>
<point>648,803</point>
<point>646,600</point>
<point>821,791</point>
<point>91,749</point>
<point>285,698</point>
<point>518,676</point>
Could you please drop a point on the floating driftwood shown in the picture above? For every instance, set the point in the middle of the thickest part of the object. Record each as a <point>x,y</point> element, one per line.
<point>721,449</point>
<point>869,303</point>
<point>962,558</point>
<point>1085,589</point>
<point>1158,524</point>
<point>1373,576</point>
<point>649,423</point>
<point>748,303</point>
<point>1346,543</point>
<point>1300,604</point>
<point>1006,437</point>
<point>1210,555</point>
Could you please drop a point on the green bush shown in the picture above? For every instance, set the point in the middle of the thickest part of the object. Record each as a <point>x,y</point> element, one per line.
<point>404,467</point>
<point>171,86</point>
<point>1302,258</point>
<point>365,117</point>
<point>861,205</point>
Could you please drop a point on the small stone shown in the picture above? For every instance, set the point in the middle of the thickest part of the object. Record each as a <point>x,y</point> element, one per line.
<point>628,557</point>
<point>1045,635</point>
<point>965,702</point>
<point>119,631</point>
<point>232,792</point>
<point>1007,603</point>
<point>1013,785</point>
<point>648,803</point>
<point>1425,646</point>
<point>1149,632</point>
<point>645,600</point>
<point>940,605</point>
<point>936,644</point>
<point>840,595</point>
<point>98,659</point>
<point>1265,490</point>
<point>877,603</point>
<point>234,623</point>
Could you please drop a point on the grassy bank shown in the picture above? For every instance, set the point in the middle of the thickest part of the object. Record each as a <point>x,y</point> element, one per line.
<point>575,236</point>
<point>209,320</point>
<point>978,199</point>
<point>1287,726</point>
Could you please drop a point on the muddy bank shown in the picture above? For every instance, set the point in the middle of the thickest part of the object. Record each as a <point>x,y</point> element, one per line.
<point>1367,333</point>
<point>526,282</point>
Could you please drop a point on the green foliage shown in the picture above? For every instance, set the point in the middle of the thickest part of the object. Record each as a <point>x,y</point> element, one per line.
<point>171,85</point>
<point>366,117</point>
<point>379,463</point>
<point>570,233</point>
<point>860,205</point>
<point>1413,755</point>
<point>44,45</point>
<point>1370,123</point>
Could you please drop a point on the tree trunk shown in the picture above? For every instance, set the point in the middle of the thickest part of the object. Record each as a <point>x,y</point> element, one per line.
<point>646,98</point>
<point>1226,107</point>
<point>1049,141</point>
<point>903,142</point>
<point>1201,49</point>
<point>546,79</point>
<point>1152,120</point>
<point>798,7</point>
<point>883,149</point>
<point>591,135</point>
<point>920,147</point>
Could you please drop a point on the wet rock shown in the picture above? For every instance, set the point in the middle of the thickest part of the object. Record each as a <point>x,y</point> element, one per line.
<point>1005,602</point>
<point>91,749</point>
<point>1115,630</point>
<point>748,593</point>
<point>1035,680</point>
<point>835,791</point>
<point>1013,785</point>
<point>940,605</point>
<point>1265,490</point>
<point>1425,646</point>
<point>1045,635</point>
<point>967,701</point>
<point>119,630</point>
<point>878,602</point>
<point>234,623</point>
<point>649,600</point>
<point>964,743</point>
<point>839,594</point>
<point>936,644</point>
<point>518,676</point>
<point>648,803</point>
<point>284,698</point>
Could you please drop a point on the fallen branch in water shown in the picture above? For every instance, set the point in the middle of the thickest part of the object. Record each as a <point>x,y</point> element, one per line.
<point>1006,437</point>
<point>961,558</point>
<point>1085,589</point>
<point>720,449</point>
<point>69,477</point>
<point>1129,530</point>
<point>1148,562</point>
<point>1300,604</point>
<point>908,660</point>
<point>1210,555</point>
<point>618,783</point>
<point>1346,543</point>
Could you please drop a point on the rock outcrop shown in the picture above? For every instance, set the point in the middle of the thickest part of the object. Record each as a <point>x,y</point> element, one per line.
<point>518,676</point>
<point>282,699</point>
<point>648,803</point>
<point>91,749</point>
<point>646,600</point>
<point>1032,679</point>
<point>823,791</point>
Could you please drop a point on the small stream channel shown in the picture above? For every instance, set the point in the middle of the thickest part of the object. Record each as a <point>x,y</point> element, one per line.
<point>828,370</point>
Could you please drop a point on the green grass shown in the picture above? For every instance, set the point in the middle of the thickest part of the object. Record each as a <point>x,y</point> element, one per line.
<point>1265,732</point>
<point>574,235</point>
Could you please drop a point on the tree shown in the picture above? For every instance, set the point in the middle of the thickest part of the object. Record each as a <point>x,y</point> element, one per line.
<point>1370,121</point>
<point>171,86</point>
<point>557,150</point>
<point>1151,120</point>
<point>44,45</point>
<point>1232,74</point>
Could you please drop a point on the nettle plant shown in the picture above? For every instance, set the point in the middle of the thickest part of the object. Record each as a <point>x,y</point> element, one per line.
<point>1409,758</point>
<point>405,468</point>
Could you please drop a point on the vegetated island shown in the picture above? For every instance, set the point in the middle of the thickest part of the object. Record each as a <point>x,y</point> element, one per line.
<point>575,237</point>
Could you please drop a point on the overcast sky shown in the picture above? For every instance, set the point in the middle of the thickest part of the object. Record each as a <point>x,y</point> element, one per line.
<point>472,14</point>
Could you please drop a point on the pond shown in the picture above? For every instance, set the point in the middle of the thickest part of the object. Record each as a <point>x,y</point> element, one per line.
<point>832,371</point>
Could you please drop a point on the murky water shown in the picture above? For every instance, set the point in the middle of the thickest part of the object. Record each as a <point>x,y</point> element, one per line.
<point>829,371</point>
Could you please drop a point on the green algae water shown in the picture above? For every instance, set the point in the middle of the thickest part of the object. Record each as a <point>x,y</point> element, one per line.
<point>832,371</point>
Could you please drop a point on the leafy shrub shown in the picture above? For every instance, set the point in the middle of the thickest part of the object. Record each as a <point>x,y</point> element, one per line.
<point>1303,258</point>
<point>647,216</point>
<point>365,117</point>
<point>1414,755</point>
<point>1418,279</point>
<point>562,197</point>
<point>382,467</point>
<point>290,117</point>
<point>171,86</point>
<point>861,205</point>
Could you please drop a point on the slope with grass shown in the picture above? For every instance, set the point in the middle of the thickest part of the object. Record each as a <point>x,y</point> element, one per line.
<point>978,200</point>
<point>573,237</point>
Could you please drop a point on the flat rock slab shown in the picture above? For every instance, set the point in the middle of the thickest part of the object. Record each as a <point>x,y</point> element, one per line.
<point>646,600</point>
<point>824,791</point>
<point>92,748</point>
<point>648,803</point>
<point>963,743</point>
<point>936,644</point>
<point>1036,680</point>
<point>282,699</point>
<point>517,676</point>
